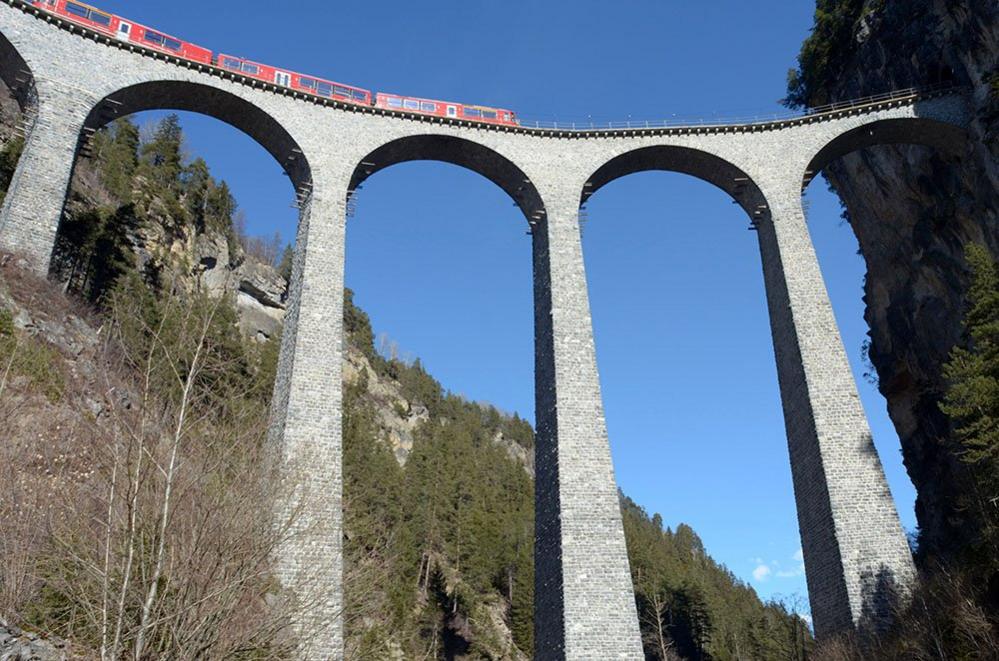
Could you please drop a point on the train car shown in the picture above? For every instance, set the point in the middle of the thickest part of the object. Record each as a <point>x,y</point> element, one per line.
<point>77,12</point>
<point>446,109</point>
<point>150,38</point>
<point>124,29</point>
<point>296,81</point>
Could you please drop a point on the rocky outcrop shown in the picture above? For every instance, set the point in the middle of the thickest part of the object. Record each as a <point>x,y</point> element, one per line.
<point>19,645</point>
<point>258,288</point>
<point>396,418</point>
<point>913,211</point>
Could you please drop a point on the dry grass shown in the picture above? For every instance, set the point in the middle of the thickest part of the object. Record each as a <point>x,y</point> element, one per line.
<point>946,620</point>
<point>145,530</point>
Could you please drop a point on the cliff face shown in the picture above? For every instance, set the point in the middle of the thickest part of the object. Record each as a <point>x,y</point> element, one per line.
<point>913,211</point>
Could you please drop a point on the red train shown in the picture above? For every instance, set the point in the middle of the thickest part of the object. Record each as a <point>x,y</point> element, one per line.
<point>445,109</point>
<point>126,30</point>
<point>296,81</point>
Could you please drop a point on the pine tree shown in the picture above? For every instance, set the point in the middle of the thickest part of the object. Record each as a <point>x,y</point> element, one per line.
<point>972,399</point>
<point>220,208</point>
<point>118,157</point>
<point>284,266</point>
<point>10,154</point>
<point>162,154</point>
<point>197,184</point>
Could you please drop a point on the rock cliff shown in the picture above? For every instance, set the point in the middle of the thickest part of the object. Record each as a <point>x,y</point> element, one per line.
<point>913,211</point>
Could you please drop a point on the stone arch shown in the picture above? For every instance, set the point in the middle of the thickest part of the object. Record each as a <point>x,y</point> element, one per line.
<point>17,74</point>
<point>910,233</point>
<point>684,160</point>
<point>945,137</point>
<point>204,99</point>
<point>462,152</point>
<point>863,595</point>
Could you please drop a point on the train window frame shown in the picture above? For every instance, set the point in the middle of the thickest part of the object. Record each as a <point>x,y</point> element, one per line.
<point>77,9</point>
<point>103,17</point>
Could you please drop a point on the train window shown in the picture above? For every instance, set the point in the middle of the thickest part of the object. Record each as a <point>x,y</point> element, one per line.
<point>394,102</point>
<point>359,95</point>
<point>411,104</point>
<point>77,10</point>
<point>473,112</point>
<point>153,37</point>
<point>428,107</point>
<point>172,44</point>
<point>325,89</point>
<point>250,68</point>
<point>489,114</point>
<point>307,82</point>
<point>102,19</point>
<point>341,91</point>
<point>230,63</point>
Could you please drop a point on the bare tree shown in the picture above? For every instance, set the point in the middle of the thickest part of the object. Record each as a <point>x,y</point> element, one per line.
<point>166,550</point>
<point>658,617</point>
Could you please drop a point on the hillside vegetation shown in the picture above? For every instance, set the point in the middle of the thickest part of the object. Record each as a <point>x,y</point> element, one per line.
<point>136,403</point>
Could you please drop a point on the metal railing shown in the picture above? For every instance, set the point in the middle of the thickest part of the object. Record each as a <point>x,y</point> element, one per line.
<point>912,93</point>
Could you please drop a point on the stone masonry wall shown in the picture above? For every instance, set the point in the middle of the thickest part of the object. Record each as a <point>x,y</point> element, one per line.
<point>585,605</point>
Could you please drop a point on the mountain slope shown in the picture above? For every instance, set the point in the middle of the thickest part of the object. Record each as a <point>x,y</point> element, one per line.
<point>438,491</point>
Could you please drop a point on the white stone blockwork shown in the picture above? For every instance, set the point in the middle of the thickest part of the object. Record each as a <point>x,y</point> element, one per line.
<point>856,555</point>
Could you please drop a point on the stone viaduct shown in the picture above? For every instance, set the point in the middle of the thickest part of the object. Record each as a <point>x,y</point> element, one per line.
<point>71,81</point>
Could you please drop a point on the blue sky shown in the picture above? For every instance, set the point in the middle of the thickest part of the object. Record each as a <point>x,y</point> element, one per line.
<point>439,258</point>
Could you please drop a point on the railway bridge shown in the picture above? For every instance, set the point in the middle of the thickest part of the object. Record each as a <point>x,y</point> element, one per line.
<point>70,81</point>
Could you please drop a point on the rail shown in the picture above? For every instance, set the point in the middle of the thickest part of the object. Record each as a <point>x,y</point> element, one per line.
<point>911,93</point>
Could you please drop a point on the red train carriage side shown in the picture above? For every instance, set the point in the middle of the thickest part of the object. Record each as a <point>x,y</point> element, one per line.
<point>125,29</point>
<point>78,12</point>
<point>296,81</point>
<point>333,90</point>
<point>150,38</point>
<point>446,109</point>
<point>491,115</point>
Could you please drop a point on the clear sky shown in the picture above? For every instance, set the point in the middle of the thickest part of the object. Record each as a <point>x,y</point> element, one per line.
<point>439,257</point>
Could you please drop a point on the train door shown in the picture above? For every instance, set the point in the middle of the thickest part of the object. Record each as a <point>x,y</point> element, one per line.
<point>452,111</point>
<point>124,30</point>
<point>282,78</point>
